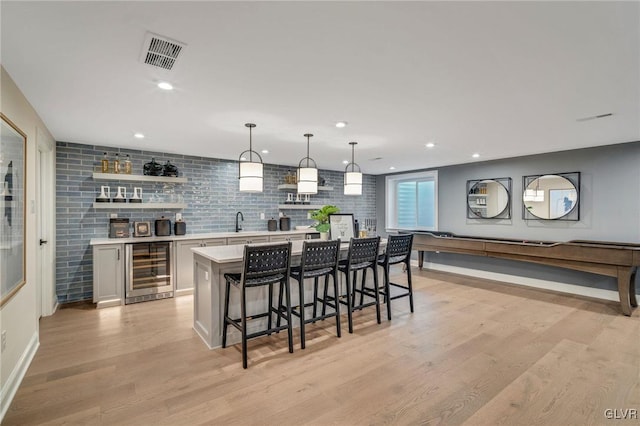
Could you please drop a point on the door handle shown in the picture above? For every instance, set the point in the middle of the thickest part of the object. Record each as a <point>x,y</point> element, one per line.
<point>43,241</point>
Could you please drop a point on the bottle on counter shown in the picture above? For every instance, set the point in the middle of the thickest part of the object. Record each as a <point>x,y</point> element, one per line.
<point>127,165</point>
<point>116,164</point>
<point>104,163</point>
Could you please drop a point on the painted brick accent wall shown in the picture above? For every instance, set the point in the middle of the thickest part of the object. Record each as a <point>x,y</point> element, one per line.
<point>210,193</point>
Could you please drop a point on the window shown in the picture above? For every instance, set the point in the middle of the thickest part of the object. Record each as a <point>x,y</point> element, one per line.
<point>412,201</point>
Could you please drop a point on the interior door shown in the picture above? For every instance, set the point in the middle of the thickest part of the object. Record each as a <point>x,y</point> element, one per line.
<point>45,211</point>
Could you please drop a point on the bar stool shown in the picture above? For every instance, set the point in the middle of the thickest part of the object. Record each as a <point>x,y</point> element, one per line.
<point>363,254</point>
<point>263,265</point>
<point>398,251</point>
<point>319,259</point>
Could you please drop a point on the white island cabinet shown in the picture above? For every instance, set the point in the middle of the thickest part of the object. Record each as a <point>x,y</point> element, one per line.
<point>108,275</point>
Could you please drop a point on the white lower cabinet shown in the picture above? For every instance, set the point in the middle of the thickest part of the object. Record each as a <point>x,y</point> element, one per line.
<point>184,262</point>
<point>108,275</point>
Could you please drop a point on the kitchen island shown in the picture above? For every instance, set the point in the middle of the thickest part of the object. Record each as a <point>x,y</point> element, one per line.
<point>209,266</point>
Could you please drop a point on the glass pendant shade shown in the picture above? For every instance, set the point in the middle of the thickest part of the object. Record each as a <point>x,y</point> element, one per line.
<point>250,168</point>
<point>352,175</point>
<point>307,175</point>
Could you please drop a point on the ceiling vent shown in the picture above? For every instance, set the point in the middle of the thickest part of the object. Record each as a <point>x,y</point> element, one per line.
<point>161,52</point>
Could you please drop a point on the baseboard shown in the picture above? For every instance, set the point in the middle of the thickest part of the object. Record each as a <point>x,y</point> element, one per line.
<point>183,292</point>
<point>526,281</point>
<point>12,384</point>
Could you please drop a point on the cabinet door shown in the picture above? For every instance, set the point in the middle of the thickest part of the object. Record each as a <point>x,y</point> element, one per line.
<point>212,242</point>
<point>247,240</point>
<point>184,265</point>
<point>108,275</point>
<point>290,237</point>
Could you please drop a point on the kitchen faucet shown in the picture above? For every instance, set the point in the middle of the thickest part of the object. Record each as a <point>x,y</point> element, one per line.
<point>239,225</point>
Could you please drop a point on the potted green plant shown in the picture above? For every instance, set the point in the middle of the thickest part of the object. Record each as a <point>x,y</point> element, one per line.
<point>322,217</point>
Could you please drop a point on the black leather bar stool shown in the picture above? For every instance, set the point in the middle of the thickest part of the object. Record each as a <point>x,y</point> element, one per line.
<point>263,265</point>
<point>319,259</point>
<point>363,255</point>
<point>398,251</point>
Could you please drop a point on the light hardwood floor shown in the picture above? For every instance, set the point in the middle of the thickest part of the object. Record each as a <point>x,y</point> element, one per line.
<point>474,352</point>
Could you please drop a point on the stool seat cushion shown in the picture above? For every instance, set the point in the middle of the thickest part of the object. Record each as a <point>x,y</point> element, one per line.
<point>295,272</point>
<point>235,279</point>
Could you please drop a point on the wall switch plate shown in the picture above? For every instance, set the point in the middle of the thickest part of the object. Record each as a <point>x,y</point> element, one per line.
<point>308,215</point>
<point>178,216</point>
<point>113,215</point>
<point>262,215</point>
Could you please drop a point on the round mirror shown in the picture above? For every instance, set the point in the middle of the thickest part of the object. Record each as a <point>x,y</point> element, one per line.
<point>550,197</point>
<point>488,199</point>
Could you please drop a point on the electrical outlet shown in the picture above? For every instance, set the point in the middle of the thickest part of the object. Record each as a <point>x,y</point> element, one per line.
<point>178,216</point>
<point>262,215</point>
<point>308,215</point>
<point>4,340</point>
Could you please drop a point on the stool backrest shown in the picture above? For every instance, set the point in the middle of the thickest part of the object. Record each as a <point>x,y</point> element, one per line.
<point>399,245</point>
<point>320,254</point>
<point>264,260</point>
<point>363,250</point>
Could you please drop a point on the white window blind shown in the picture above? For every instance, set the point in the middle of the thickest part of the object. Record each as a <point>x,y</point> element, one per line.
<point>412,201</point>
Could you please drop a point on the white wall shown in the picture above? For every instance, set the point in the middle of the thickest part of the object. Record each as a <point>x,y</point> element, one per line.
<point>19,316</point>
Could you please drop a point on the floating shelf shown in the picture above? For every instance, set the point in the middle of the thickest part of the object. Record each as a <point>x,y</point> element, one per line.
<point>478,195</point>
<point>138,178</point>
<point>478,207</point>
<point>294,187</point>
<point>138,206</point>
<point>299,207</point>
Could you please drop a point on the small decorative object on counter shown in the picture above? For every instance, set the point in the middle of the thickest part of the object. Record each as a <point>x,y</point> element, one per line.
<point>105,195</point>
<point>121,196</point>
<point>163,227</point>
<point>152,168</point>
<point>104,163</point>
<point>272,225</point>
<point>180,227</point>
<point>141,229</point>
<point>127,165</point>
<point>285,223</point>
<point>137,195</point>
<point>169,170</point>
<point>116,164</point>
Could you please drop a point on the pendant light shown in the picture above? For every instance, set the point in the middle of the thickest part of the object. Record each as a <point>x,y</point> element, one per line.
<point>352,178</point>
<point>251,172</point>
<point>307,175</point>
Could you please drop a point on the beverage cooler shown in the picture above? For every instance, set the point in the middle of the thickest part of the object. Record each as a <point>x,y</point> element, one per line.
<point>149,275</point>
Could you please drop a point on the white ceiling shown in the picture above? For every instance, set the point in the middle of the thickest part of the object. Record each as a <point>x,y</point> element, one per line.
<point>499,78</point>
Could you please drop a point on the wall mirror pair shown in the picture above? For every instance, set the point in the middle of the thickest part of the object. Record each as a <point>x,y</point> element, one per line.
<point>549,197</point>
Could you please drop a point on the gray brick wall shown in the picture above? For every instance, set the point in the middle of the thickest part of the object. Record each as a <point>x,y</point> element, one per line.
<point>211,196</point>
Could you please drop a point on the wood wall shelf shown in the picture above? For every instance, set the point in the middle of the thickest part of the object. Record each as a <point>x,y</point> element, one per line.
<point>138,206</point>
<point>138,178</point>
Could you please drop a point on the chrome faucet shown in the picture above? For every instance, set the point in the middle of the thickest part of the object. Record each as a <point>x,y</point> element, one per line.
<point>238,224</point>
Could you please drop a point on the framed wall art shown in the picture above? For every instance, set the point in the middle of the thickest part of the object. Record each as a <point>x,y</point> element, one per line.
<point>13,144</point>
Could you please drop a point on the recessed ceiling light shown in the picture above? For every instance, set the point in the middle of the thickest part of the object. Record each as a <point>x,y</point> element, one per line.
<point>430,145</point>
<point>341,124</point>
<point>476,155</point>
<point>392,168</point>
<point>345,161</point>
<point>265,151</point>
<point>138,135</point>
<point>165,86</point>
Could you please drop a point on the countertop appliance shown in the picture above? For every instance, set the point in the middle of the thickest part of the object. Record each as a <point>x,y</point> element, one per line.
<point>141,229</point>
<point>272,225</point>
<point>148,267</point>
<point>118,228</point>
<point>285,223</point>
<point>179,227</point>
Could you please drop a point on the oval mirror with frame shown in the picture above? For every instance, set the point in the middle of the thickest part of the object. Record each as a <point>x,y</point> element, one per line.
<point>489,198</point>
<point>551,197</point>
